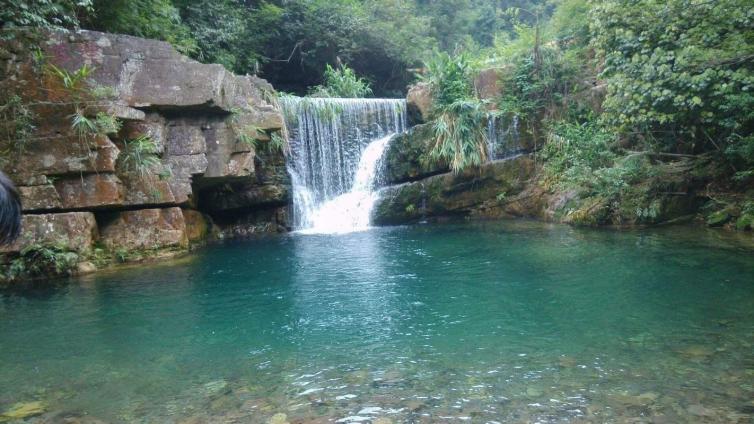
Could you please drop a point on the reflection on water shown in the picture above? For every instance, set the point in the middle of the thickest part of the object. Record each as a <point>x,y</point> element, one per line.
<point>506,322</point>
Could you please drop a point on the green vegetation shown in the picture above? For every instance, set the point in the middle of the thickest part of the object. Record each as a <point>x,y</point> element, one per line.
<point>341,82</point>
<point>290,42</point>
<point>43,13</point>
<point>17,122</point>
<point>458,115</point>
<point>39,260</point>
<point>139,157</point>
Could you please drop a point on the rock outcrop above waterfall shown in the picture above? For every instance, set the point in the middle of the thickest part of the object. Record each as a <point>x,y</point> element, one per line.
<point>194,113</point>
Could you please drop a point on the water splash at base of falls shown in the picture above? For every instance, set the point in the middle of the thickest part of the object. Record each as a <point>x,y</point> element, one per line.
<point>336,147</point>
<point>351,211</point>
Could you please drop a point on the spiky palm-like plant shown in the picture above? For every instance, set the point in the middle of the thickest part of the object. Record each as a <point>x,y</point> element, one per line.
<point>458,115</point>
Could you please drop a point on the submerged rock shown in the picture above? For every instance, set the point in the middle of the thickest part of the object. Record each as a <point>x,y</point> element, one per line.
<point>278,418</point>
<point>23,410</point>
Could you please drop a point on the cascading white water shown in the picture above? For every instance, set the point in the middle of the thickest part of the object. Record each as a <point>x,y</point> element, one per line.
<point>503,139</point>
<point>351,211</point>
<point>336,147</point>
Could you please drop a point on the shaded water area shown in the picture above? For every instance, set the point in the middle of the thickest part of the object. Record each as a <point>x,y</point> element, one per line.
<point>473,322</point>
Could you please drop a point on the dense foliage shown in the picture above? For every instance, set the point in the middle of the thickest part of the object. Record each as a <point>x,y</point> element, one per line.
<point>289,42</point>
<point>42,13</point>
<point>680,70</point>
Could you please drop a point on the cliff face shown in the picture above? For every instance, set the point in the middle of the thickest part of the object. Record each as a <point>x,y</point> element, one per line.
<point>206,125</point>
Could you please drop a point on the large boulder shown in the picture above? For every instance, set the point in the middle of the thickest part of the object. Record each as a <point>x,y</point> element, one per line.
<point>419,103</point>
<point>198,227</point>
<point>61,153</point>
<point>407,156</point>
<point>74,231</point>
<point>487,84</point>
<point>93,191</point>
<point>184,170</point>
<point>468,193</point>
<point>39,197</point>
<point>145,229</point>
<point>201,120</point>
<point>270,188</point>
<point>152,74</point>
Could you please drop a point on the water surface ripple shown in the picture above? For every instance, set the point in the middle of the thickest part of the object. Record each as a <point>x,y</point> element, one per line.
<point>483,322</point>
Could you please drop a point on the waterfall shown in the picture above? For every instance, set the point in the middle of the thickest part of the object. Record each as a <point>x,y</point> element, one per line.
<point>503,139</point>
<point>336,150</point>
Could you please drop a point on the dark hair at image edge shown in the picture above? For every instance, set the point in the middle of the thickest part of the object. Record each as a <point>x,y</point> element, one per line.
<point>10,211</point>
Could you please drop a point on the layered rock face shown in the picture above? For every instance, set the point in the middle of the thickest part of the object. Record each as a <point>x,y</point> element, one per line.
<point>199,117</point>
<point>484,192</point>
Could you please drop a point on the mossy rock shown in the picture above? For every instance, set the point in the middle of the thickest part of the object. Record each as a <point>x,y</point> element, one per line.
<point>23,410</point>
<point>719,218</point>
<point>591,211</point>
<point>407,156</point>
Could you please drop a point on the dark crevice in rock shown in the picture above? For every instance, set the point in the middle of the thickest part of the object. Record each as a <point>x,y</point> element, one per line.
<point>98,209</point>
<point>204,110</point>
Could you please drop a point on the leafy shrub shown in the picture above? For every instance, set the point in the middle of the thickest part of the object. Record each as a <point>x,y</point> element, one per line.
<point>679,70</point>
<point>573,152</point>
<point>740,152</point>
<point>341,82</point>
<point>17,122</point>
<point>460,135</point>
<point>43,13</point>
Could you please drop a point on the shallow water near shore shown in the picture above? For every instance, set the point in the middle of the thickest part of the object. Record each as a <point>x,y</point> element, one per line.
<point>471,322</point>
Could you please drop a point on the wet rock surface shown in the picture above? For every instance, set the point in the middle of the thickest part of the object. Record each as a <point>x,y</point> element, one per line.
<point>469,193</point>
<point>145,229</point>
<point>406,158</point>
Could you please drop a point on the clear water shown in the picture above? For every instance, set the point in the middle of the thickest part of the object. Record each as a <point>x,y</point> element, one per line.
<point>483,322</point>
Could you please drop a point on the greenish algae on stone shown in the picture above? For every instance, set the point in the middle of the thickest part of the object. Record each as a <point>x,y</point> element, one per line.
<point>23,410</point>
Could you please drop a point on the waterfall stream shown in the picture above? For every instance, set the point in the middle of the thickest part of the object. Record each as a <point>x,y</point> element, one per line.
<point>336,150</point>
<point>503,138</point>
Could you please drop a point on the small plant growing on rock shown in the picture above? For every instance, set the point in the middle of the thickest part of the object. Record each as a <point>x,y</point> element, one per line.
<point>17,123</point>
<point>139,157</point>
<point>42,260</point>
